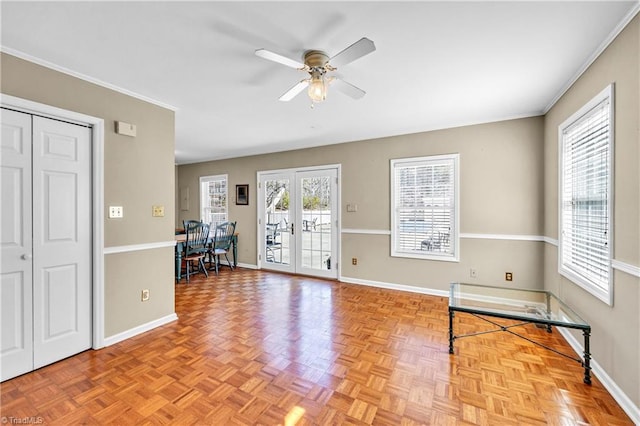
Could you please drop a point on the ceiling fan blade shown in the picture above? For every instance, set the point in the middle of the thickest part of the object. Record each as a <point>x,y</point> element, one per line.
<point>271,56</point>
<point>348,88</point>
<point>360,48</point>
<point>294,91</point>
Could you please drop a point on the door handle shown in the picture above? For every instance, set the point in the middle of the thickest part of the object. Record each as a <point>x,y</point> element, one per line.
<point>25,257</point>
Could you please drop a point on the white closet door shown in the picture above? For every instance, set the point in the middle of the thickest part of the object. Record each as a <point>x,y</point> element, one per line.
<point>16,348</point>
<point>61,240</point>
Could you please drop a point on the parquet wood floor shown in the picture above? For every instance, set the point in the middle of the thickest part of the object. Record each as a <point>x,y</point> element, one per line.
<point>253,347</point>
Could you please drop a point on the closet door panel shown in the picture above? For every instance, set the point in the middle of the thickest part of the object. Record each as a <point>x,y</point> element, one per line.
<point>16,256</point>
<point>62,240</point>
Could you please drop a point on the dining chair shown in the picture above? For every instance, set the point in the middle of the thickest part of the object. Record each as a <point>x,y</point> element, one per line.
<point>221,245</point>
<point>188,222</point>
<point>195,247</point>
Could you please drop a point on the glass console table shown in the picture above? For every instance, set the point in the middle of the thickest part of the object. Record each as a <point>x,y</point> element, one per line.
<point>526,306</point>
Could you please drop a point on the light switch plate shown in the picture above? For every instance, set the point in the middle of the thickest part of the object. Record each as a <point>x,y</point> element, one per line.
<point>115,212</point>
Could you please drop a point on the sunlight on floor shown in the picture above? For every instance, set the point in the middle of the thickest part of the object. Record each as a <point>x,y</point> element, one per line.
<point>294,416</point>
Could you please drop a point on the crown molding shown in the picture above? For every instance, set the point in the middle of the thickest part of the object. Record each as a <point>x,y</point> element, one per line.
<point>55,67</point>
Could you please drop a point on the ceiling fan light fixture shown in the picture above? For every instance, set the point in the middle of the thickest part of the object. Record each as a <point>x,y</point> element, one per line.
<point>317,87</point>
<point>316,63</point>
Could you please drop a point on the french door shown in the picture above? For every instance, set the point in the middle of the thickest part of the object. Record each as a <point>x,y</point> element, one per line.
<point>45,247</point>
<point>298,221</point>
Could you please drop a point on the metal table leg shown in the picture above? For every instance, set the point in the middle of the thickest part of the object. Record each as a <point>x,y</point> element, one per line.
<point>451,330</point>
<point>178,265</point>
<point>234,240</point>
<point>587,357</point>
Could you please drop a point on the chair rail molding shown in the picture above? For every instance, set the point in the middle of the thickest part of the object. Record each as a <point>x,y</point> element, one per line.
<point>138,247</point>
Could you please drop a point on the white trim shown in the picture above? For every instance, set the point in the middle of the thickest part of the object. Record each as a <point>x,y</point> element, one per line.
<point>393,286</point>
<point>618,394</point>
<point>397,163</point>
<point>366,231</point>
<point>138,247</point>
<point>98,235</point>
<point>604,295</point>
<point>603,46</point>
<point>97,171</point>
<point>247,266</point>
<point>116,338</point>
<point>261,173</point>
<point>512,237</point>
<point>626,267</point>
<point>615,264</point>
<point>55,67</point>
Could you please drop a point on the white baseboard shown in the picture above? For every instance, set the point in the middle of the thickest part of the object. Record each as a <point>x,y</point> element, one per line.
<point>247,266</point>
<point>392,286</point>
<point>618,394</point>
<point>116,338</point>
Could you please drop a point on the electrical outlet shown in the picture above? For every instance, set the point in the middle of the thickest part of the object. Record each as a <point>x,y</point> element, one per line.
<point>145,295</point>
<point>473,273</point>
<point>508,276</point>
<point>115,212</point>
<point>354,260</point>
<point>157,211</point>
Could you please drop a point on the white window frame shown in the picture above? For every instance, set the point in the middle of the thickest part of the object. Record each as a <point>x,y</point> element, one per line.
<point>204,195</point>
<point>568,269</point>
<point>454,256</point>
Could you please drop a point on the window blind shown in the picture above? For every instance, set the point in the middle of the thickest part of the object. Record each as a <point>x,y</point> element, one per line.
<point>585,186</point>
<point>424,206</point>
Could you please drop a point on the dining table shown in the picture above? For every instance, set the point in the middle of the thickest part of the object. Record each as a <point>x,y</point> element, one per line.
<point>181,238</point>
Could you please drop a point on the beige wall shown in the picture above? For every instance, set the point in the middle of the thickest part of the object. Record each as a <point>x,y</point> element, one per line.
<point>616,329</point>
<point>500,165</point>
<point>138,173</point>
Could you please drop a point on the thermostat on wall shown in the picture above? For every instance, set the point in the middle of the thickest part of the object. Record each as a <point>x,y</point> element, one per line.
<point>126,129</point>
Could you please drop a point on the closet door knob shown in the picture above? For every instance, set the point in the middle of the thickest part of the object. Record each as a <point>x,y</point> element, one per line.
<point>25,257</point>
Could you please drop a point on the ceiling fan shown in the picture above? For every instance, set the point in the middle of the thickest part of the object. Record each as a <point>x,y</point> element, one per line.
<point>317,63</point>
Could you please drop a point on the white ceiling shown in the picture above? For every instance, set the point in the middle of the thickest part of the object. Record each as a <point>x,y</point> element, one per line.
<point>437,64</point>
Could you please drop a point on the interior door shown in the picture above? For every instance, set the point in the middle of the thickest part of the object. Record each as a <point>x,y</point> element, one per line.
<point>16,291</point>
<point>61,240</point>
<point>46,242</point>
<point>299,221</point>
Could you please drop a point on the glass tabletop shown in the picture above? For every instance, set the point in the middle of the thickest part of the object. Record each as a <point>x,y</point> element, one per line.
<point>527,305</point>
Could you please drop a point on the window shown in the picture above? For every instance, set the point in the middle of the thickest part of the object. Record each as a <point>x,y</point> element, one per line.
<point>586,144</point>
<point>213,199</point>
<point>424,207</point>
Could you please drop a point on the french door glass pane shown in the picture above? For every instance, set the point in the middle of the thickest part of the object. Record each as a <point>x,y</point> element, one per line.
<point>316,222</point>
<point>276,221</point>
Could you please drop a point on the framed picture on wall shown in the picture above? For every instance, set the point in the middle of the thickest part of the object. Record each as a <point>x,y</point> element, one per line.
<point>242,195</point>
